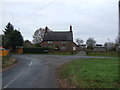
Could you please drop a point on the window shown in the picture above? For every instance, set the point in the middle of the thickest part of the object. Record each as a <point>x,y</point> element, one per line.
<point>63,48</point>
<point>63,42</point>
<point>74,48</point>
<point>49,42</point>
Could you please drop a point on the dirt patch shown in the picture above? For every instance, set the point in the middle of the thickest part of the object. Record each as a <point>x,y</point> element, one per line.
<point>62,83</point>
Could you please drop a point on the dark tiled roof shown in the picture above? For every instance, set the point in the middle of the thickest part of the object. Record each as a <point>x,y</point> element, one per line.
<point>58,36</point>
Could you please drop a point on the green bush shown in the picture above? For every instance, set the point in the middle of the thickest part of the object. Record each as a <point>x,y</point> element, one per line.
<point>36,50</point>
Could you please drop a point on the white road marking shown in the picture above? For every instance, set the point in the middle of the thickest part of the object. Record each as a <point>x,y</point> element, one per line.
<point>13,79</point>
<point>16,76</point>
<point>30,64</point>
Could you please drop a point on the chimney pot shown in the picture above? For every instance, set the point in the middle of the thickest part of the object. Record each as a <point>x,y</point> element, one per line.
<point>46,28</point>
<point>70,28</point>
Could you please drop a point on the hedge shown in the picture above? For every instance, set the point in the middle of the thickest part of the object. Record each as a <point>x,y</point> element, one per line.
<point>36,50</point>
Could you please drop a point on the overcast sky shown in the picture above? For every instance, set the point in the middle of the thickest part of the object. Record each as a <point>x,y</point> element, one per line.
<point>89,18</point>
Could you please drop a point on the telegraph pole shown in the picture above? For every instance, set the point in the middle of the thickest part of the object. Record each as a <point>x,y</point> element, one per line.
<point>119,22</point>
<point>119,44</point>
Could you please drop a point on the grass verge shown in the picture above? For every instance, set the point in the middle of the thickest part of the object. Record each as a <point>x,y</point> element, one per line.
<point>103,54</point>
<point>89,73</point>
<point>7,61</point>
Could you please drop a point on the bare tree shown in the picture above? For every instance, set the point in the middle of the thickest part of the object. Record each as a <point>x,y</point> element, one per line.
<point>79,41</point>
<point>39,34</point>
<point>109,46</point>
<point>90,43</point>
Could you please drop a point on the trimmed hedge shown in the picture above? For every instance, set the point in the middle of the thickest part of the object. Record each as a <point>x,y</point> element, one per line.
<point>36,50</point>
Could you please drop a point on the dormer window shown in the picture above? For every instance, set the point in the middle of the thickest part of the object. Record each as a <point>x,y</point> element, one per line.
<point>63,42</point>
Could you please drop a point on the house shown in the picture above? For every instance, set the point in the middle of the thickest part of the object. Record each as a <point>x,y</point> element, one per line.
<point>61,40</point>
<point>82,47</point>
<point>118,48</point>
<point>99,47</point>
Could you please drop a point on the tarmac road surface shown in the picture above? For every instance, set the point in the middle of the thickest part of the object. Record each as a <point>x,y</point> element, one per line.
<point>35,71</point>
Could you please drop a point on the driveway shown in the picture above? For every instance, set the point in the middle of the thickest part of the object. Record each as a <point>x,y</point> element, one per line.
<point>35,71</point>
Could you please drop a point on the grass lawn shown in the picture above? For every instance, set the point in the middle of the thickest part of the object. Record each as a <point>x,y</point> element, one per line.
<point>90,73</point>
<point>8,61</point>
<point>104,54</point>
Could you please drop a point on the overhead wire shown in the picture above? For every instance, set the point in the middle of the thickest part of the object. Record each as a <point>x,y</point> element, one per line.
<point>30,15</point>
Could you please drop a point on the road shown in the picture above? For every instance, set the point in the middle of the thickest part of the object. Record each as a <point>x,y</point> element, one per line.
<point>35,71</point>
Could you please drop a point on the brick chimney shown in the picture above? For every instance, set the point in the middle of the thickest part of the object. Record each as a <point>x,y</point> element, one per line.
<point>70,28</point>
<point>46,28</point>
